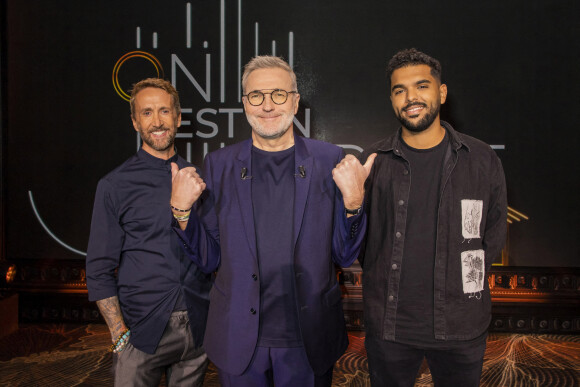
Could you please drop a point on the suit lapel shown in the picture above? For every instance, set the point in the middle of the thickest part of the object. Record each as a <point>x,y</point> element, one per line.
<point>244,192</point>
<point>303,170</point>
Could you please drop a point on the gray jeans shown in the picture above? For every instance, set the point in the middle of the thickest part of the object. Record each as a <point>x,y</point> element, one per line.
<point>176,357</point>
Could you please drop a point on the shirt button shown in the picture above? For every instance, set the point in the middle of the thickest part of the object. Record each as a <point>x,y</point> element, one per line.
<point>253,311</point>
<point>405,172</point>
<point>255,277</point>
<point>401,202</point>
<point>398,234</point>
<point>391,298</point>
<point>394,266</point>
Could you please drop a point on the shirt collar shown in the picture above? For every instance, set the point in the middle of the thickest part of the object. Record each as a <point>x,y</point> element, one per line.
<point>393,143</point>
<point>156,161</point>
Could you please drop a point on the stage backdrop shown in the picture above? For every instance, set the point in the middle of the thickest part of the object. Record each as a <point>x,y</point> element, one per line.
<point>511,70</point>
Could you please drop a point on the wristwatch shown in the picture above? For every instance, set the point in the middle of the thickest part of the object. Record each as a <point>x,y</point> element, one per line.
<point>356,211</point>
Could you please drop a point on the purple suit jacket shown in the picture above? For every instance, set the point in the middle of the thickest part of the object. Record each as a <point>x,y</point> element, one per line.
<point>222,237</point>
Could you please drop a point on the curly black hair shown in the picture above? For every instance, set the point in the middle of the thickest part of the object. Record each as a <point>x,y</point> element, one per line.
<point>413,57</point>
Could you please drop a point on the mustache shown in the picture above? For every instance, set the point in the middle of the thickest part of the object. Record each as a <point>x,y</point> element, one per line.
<point>158,128</point>
<point>414,104</point>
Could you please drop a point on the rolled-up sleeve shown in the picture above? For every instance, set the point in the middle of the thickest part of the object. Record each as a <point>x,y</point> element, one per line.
<point>105,245</point>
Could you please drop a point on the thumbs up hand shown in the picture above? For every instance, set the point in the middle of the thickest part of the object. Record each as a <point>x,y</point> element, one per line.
<point>187,187</point>
<point>349,176</point>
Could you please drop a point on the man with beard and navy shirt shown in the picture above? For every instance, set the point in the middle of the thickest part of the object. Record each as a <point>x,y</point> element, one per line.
<point>152,297</point>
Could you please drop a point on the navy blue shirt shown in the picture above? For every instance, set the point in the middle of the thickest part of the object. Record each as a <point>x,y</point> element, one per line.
<point>273,205</point>
<point>131,233</point>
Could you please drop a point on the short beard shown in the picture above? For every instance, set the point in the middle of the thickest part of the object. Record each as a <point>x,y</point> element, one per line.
<point>423,123</point>
<point>160,147</point>
<point>281,130</point>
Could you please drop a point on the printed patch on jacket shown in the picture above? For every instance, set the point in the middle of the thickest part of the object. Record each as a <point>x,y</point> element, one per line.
<point>473,270</point>
<point>471,212</point>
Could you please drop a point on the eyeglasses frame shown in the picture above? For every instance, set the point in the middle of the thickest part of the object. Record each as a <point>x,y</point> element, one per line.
<point>271,98</point>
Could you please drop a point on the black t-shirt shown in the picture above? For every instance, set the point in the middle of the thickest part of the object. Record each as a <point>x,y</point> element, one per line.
<point>415,300</point>
<point>273,205</point>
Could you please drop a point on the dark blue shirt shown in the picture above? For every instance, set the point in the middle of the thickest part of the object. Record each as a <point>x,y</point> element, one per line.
<point>273,205</point>
<point>131,233</point>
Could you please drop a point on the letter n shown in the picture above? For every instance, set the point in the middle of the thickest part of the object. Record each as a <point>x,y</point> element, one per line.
<point>206,94</point>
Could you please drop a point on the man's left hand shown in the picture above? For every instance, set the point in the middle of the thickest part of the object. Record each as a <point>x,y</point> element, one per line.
<point>349,176</point>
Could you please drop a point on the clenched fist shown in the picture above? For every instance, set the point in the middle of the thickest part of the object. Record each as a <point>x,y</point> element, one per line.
<point>349,176</point>
<point>187,187</point>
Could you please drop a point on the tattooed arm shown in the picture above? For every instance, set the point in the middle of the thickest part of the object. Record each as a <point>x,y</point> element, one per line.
<point>103,257</point>
<point>111,312</point>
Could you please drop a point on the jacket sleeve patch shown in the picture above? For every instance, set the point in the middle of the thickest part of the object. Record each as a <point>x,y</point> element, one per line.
<point>473,270</point>
<point>471,213</point>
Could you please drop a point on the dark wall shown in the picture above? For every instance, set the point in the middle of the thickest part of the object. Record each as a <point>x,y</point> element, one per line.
<point>510,68</point>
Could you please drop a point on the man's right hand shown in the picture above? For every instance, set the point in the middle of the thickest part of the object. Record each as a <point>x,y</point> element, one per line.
<point>187,187</point>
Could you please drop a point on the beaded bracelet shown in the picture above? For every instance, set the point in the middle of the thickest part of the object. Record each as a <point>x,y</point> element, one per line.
<point>121,341</point>
<point>177,209</point>
<point>182,218</point>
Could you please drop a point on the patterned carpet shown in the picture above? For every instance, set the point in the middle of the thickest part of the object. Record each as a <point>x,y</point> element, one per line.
<point>73,355</point>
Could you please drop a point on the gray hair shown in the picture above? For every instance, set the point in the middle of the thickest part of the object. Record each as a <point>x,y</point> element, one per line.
<point>267,62</point>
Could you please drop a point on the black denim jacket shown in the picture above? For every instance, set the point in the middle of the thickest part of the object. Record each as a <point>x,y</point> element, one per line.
<point>471,231</point>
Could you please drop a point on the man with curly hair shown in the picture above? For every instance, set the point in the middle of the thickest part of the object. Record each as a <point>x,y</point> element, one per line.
<point>436,204</point>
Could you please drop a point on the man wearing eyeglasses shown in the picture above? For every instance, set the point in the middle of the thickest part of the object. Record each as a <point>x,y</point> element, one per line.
<point>278,211</point>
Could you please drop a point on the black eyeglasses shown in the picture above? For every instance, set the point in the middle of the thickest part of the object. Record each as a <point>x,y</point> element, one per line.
<point>279,96</point>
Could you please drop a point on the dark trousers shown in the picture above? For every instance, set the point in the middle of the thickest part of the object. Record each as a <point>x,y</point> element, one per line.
<point>394,364</point>
<point>176,356</point>
<point>280,367</point>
